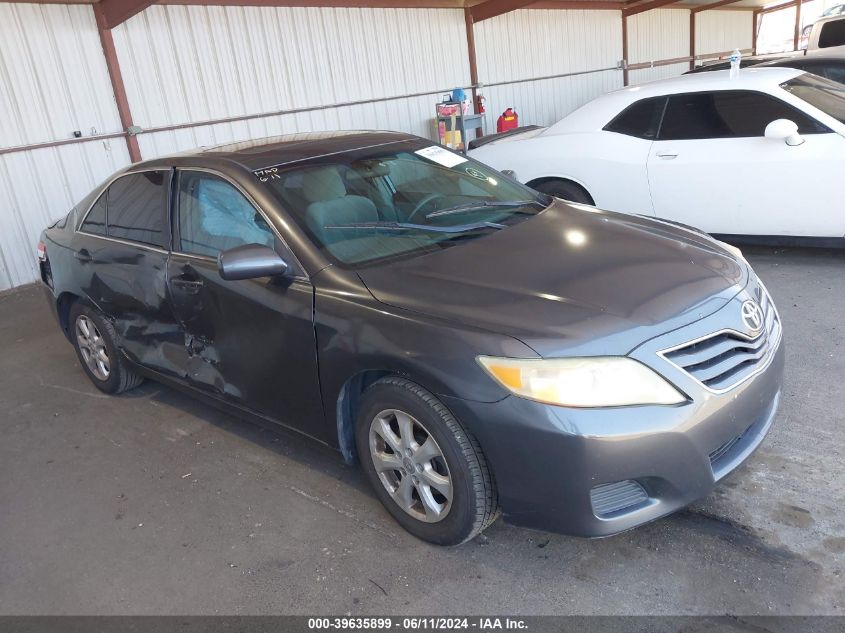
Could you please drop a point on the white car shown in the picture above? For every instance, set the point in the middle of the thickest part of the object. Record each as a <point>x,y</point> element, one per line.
<point>759,154</point>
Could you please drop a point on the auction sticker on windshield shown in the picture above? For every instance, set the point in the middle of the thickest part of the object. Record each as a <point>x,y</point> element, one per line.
<point>440,156</point>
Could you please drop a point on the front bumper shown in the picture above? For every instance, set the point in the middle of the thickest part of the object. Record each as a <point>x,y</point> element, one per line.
<point>548,460</point>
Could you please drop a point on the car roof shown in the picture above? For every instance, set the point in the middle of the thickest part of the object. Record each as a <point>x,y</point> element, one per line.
<point>270,151</point>
<point>600,110</point>
<point>752,78</point>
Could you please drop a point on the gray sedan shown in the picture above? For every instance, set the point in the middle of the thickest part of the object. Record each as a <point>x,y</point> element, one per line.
<point>479,347</point>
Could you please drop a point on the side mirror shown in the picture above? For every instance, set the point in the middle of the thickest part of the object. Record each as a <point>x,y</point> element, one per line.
<point>784,130</point>
<point>250,261</point>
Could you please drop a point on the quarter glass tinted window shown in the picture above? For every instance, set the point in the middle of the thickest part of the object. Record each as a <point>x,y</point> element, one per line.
<point>95,221</point>
<point>214,216</point>
<point>728,114</point>
<point>639,119</point>
<point>137,208</point>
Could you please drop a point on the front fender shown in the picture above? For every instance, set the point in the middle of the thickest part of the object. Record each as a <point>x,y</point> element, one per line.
<point>356,334</point>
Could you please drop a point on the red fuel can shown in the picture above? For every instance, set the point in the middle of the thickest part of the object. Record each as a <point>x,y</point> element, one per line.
<point>508,121</point>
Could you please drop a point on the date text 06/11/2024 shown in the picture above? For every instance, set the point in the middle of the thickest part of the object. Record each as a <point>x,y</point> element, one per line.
<point>416,623</point>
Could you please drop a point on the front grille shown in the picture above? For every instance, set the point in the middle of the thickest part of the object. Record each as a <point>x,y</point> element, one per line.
<point>608,499</point>
<point>723,360</point>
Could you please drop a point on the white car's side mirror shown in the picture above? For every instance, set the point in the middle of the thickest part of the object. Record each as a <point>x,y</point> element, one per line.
<point>784,130</point>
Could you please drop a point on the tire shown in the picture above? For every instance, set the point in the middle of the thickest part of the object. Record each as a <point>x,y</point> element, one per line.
<point>454,463</point>
<point>565,189</point>
<point>109,373</point>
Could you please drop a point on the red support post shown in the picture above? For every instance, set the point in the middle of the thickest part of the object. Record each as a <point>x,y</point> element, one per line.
<point>117,83</point>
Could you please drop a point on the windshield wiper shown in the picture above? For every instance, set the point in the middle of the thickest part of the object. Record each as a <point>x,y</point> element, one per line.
<point>481,204</point>
<point>406,226</point>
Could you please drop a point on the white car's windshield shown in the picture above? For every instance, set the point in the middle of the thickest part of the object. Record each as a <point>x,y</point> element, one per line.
<point>828,96</point>
<point>397,200</point>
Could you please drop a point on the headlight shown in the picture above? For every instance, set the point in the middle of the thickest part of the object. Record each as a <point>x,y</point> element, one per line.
<point>601,381</point>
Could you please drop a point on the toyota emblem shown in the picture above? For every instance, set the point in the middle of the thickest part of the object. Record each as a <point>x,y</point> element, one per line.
<point>752,315</point>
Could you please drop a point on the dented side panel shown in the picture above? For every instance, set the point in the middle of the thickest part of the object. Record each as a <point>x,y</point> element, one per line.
<point>250,342</point>
<point>128,283</point>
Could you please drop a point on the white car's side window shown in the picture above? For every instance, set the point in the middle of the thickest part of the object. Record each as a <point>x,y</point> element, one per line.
<point>640,119</point>
<point>728,114</point>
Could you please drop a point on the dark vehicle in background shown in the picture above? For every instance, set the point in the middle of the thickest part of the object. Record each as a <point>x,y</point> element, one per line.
<point>725,64</point>
<point>828,66</point>
<point>478,346</point>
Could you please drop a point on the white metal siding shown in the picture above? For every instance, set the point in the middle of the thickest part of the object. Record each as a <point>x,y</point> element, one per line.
<point>537,43</point>
<point>54,81</point>
<point>658,72</point>
<point>722,31</point>
<point>186,64</point>
<point>655,35</point>
<point>189,64</point>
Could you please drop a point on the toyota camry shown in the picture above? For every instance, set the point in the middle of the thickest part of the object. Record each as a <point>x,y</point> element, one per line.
<point>479,347</point>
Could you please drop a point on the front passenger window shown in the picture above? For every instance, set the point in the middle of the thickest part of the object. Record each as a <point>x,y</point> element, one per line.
<point>728,114</point>
<point>214,216</point>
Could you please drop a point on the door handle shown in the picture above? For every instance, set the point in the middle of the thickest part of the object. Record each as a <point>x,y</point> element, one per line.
<point>667,155</point>
<point>189,286</point>
<point>83,255</point>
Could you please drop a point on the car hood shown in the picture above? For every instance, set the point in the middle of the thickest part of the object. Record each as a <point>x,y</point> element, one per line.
<point>569,280</point>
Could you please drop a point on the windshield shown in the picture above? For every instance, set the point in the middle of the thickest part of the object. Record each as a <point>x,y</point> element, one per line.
<point>828,96</point>
<point>397,200</point>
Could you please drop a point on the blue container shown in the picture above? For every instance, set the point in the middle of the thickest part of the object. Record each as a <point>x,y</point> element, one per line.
<point>458,95</point>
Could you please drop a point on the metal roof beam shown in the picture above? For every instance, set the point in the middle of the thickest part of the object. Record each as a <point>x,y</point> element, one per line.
<point>492,8</point>
<point>778,7</point>
<point>115,12</point>
<point>712,5</point>
<point>646,6</point>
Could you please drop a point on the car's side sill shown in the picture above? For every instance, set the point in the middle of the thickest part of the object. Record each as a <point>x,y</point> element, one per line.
<point>229,407</point>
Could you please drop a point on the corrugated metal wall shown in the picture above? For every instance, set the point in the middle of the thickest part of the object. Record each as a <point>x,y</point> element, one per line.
<point>655,35</point>
<point>186,64</point>
<point>54,80</point>
<point>721,31</point>
<point>538,43</point>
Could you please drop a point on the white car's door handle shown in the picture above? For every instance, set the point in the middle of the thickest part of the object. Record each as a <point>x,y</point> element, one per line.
<point>667,155</point>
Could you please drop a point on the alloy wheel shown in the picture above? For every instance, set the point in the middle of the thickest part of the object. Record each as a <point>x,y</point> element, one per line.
<point>92,346</point>
<point>410,465</point>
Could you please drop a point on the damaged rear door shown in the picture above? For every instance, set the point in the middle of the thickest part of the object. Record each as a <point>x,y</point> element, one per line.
<point>121,251</point>
<point>250,342</point>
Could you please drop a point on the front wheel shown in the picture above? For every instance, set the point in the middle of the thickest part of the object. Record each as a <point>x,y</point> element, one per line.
<point>426,469</point>
<point>565,189</point>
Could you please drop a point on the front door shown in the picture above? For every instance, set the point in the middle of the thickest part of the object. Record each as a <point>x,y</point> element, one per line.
<point>250,342</point>
<point>712,168</point>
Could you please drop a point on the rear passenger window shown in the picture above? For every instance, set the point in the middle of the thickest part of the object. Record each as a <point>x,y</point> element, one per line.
<point>137,208</point>
<point>214,216</point>
<point>833,34</point>
<point>639,119</point>
<point>728,114</point>
<point>95,221</point>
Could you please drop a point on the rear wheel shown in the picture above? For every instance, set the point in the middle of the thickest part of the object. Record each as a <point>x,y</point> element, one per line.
<point>565,189</point>
<point>95,342</point>
<point>426,469</point>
